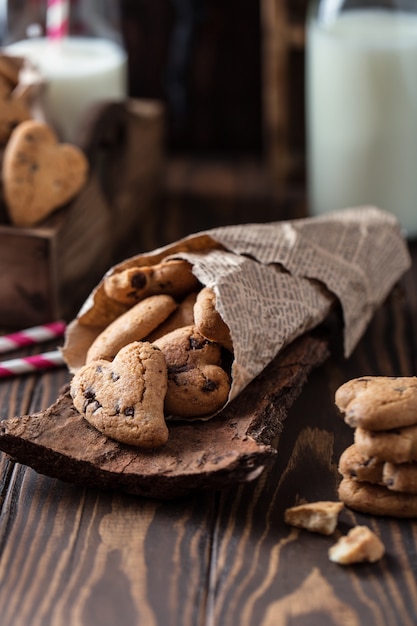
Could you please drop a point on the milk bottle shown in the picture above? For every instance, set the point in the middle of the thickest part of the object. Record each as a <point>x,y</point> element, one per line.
<point>362,109</point>
<point>85,64</point>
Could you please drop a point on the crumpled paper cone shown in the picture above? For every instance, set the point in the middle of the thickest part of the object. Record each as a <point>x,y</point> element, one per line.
<point>274,282</point>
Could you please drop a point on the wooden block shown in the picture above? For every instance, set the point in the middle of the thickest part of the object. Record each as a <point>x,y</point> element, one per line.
<point>27,294</point>
<point>48,271</point>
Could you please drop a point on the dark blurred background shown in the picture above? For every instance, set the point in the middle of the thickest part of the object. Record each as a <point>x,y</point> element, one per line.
<point>231,76</point>
<point>215,63</point>
<point>203,58</point>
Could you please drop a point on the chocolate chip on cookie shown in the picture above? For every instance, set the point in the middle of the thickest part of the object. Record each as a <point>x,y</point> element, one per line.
<point>124,399</point>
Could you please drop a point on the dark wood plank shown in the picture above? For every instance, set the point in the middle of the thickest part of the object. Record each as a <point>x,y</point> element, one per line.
<point>76,556</point>
<point>27,286</point>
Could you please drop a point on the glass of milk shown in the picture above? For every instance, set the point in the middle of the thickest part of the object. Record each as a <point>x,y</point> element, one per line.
<point>83,64</point>
<point>361,101</point>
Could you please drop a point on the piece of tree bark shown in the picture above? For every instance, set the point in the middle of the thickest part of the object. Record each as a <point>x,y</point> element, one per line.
<point>233,447</point>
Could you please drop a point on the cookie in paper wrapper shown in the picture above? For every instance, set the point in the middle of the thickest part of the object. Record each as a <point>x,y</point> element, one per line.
<point>273,282</point>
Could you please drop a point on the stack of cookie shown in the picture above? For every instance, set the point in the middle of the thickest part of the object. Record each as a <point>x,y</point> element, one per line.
<point>380,469</point>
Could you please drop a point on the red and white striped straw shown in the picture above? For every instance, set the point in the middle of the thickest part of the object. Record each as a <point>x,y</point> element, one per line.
<point>31,364</point>
<point>31,336</point>
<point>57,19</point>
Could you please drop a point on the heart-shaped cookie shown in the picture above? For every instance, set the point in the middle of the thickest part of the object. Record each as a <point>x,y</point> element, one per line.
<point>124,399</point>
<point>39,174</point>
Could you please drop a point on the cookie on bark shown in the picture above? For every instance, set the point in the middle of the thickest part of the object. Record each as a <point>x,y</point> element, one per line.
<point>379,402</point>
<point>124,399</point>
<point>197,384</point>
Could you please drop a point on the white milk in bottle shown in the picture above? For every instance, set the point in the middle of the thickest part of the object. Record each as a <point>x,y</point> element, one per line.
<point>362,112</point>
<point>77,47</point>
<point>80,72</point>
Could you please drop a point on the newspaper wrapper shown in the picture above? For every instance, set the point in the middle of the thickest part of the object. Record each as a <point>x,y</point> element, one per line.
<point>273,282</point>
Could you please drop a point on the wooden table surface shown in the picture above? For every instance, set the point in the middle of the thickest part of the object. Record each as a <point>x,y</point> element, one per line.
<point>79,556</point>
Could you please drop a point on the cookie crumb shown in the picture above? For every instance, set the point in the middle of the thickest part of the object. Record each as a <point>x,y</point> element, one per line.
<point>359,545</point>
<point>317,517</point>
